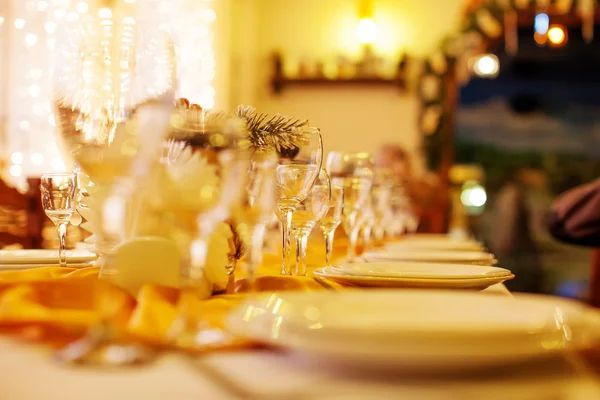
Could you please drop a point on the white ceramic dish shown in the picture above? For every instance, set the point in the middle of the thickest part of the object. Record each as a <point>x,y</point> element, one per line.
<point>12,267</point>
<point>399,269</point>
<point>452,257</point>
<point>424,243</point>
<point>415,330</point>
<point>43,256</point>
<point>433,276</point>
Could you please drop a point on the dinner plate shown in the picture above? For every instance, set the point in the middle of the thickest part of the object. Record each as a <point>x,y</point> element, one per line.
<point>43,256</point>
<point>412,280</point>
<point>454,257</point>
<point>416,330</point>
<point>11,267</point>
<point>399,269</point>
<point>435,243</point>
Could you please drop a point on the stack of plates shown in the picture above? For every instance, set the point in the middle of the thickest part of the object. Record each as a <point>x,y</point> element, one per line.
<point>432,256</point>
<point>434,243</point>
<point>39,258</point>
<point>416,275</point>
<point>416,330</point>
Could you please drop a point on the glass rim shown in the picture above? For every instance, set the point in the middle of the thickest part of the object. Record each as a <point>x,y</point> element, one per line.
<point>58,175</point>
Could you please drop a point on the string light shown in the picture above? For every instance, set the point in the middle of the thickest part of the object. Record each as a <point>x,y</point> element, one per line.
<point>541,23</point>
<point>82,7</point>
<point>486,66</point>
<point>42,5</point>
<point>557,35</point>
<point>19,23</point>
<point>31,140</point>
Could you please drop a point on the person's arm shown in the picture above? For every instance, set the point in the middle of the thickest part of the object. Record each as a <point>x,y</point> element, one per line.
<point>575,216</point>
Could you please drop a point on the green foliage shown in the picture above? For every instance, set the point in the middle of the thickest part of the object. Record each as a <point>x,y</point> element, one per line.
<point>564,170</point>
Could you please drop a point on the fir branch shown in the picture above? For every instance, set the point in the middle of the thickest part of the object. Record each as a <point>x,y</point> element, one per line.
<point>238,243</point>
<point>271,132</point>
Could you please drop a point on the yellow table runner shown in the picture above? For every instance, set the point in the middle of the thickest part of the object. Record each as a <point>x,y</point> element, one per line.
<point>55,305</point>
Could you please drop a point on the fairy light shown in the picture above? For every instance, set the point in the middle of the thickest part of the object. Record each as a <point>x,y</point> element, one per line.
<point>31,142</point>
<point>19,23</point>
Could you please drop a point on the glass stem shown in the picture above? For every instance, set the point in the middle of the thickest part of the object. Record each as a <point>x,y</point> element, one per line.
<point>301,242</point>
<point>328,246</point>
<point>367,238</point>
<point>255,256</point>
<point>353,242</point>
<point>286,227</point>
<point>62,243</point>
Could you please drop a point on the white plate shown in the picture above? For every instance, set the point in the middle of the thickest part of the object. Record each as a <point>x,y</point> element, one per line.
<point>12,267</point>
<point>423,243</point>
<point>454,257</point>
<point>43,256</point>
<point>415,329</point>
<point>474,283</point>
<point>396,269</point>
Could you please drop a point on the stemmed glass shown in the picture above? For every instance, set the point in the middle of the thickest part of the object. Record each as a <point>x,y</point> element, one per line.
<point>307,214</point>
<point>257,207</point>
<point>332,220</point>
<point>354,172</point>
<point>367,221</point>
<point>58,200</point>
<point>211,158</point>
<point>381,197</point>
<point>296,172</point>
<point>114,85</point>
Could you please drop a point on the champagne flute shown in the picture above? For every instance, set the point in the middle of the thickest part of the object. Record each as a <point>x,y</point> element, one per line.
<point>332,220</point>
<point>296,172</point>
<point>354,172</point>
<point>58,200</point>
<point>307,214</point>
<point>257,206</point>
<point>114,84</point>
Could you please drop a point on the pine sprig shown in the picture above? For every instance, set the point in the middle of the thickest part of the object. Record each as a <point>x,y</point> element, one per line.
<point>271,131</point>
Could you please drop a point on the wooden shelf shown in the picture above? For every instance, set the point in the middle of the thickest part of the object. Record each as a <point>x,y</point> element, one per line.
<point>279,83</point>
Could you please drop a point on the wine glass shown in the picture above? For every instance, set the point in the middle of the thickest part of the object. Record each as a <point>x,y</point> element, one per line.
<point>307,214</point>
<point>58,200</point>
<point>366,217</point>
<point>257,206</point>
<point>381,198</point>
<point>332,220</point>
<point>354,172</point>
<point>296,172</point>
<point>208,161</point>
<point>114,85</point>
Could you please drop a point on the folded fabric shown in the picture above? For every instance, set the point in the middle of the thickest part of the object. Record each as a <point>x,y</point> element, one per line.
<point>48,303</point>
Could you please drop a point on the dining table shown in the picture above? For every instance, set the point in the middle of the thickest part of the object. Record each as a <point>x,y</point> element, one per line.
<point>28,369</point>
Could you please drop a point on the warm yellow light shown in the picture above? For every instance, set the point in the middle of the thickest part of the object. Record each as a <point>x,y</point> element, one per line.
<point>556,34</point>
<point>540,38</point>
<point>105,13</point>
<point>487,66</point>
<point>366,31</point>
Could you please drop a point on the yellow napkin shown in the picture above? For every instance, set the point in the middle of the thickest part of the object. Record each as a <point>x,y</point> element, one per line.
<point>57,304</point>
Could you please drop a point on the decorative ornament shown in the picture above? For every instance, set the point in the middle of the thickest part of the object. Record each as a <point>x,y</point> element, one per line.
<point>430,121</point>
<point>438,63</point>
<point>488,24</point>
<point>586,9</point>
<point>431,86</point>
<point>511,35</point>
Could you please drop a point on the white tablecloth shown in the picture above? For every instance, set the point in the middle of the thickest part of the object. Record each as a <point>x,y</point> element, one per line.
<point>28,373</point>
